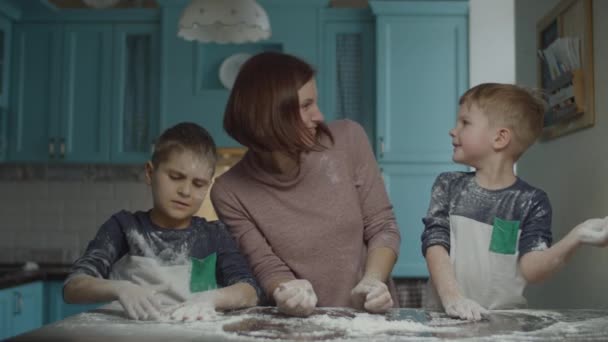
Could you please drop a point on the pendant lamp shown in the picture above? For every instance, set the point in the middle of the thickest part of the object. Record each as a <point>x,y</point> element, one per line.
<point>224,21</point>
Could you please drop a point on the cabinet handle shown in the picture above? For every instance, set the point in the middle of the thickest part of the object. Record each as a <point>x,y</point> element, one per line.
<point>61,148</point>
<point>152,146</point>
<point>52,147</point>
<point>381,147</point>
<point>18,303</point>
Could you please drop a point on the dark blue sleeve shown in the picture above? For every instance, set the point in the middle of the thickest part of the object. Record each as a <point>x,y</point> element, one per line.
<point>103,251</point>
<point>437,220</point>
<point>536,227</point>
<point>232,267</point>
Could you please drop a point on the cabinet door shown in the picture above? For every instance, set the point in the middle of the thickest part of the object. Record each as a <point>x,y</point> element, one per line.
<point>28,307</point>
<point>422,71</point>
<point>5,314</point>
<point>136,92</point>
<point>34,107</point>
<point>5,60</point>
<point>86,93</point>
<point>348,73</point>
<point>409,188</point>
<point>56,308</point>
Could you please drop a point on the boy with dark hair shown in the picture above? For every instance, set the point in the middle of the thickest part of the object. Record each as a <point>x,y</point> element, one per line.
<point>166,255</point>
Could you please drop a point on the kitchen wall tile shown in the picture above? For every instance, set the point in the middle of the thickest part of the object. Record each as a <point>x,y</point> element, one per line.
<point>130,190</point>
<point>47,207</point>
<point>10,206</point>
<point>142,204</point>
<point>65,190</point>
<point>83,206</point>
<point>107,208</point>
<point>25,190</point>
<point>47,223</point>
<point>17,222</point>
<point>98,191</point>
<point>80,224</point>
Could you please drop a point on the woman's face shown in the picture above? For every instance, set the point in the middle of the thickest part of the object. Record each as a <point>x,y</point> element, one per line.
<point>309,109</point>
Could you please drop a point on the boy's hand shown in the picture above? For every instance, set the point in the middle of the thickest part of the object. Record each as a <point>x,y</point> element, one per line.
<point>464,308</point>
<point>594,232</point>
<point>200,307</point>
<point>140,303</point>
<point>295,297</point>
<point>373,295</point>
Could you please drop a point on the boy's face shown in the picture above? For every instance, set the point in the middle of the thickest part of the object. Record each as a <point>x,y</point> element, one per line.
<point>472,137</point>
<point>179,186</point>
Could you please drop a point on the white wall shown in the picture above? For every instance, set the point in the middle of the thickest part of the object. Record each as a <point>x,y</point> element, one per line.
<point>572,169</point>
<point>492,41</point>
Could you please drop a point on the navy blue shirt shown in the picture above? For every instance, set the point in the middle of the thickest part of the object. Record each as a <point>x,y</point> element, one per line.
<point>458,194</point>
<point>134,234</point>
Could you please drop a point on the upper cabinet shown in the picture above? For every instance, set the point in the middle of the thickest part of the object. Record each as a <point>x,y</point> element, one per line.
<point>5,60</point>
<point>84,92</point>
<point>347,75</point>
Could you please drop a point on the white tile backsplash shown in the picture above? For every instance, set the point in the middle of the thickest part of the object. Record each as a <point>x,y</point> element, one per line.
<point>54,221</point>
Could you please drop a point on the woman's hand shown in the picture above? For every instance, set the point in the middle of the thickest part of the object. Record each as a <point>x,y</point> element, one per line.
<point>295,297</point>
<point>372,295</point>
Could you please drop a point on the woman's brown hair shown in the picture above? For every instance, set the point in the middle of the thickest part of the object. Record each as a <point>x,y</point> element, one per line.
<point>263,110</point>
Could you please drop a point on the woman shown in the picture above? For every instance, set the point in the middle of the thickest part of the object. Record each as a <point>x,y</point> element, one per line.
<point>306,204</point>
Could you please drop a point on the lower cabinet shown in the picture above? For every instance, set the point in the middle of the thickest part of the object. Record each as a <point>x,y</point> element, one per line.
<point>30,306</point>
<point>21,309</point>
<point>56,308</point>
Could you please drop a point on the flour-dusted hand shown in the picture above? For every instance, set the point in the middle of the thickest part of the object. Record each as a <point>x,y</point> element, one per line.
<point>199,307</point>
<point>464,308</point>
<point>140,302</point>
<point>295,297</point>
<point>372,295</point>
<point>594,232</point>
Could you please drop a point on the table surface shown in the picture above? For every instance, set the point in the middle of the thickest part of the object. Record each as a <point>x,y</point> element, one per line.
<point>332,324</point>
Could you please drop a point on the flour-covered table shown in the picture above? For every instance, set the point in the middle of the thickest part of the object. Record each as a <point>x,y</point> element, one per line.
<point>333,324</point>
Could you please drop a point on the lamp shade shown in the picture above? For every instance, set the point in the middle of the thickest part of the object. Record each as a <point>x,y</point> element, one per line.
<point>224,21</point>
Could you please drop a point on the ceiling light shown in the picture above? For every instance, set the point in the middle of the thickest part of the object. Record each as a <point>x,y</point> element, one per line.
<point>224,21</point>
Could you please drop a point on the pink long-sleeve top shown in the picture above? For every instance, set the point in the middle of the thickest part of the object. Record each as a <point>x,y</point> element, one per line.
<point>317,225</point>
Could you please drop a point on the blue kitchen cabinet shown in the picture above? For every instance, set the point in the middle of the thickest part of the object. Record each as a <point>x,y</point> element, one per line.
<point>135,117</point>
<point>90,105</point>
<point>56,308</point>
<point>347,71</point>
<point>5,61</point>
<point>84,132</point>
<point>5,314</point>
<point>33,118</point>
<point>421,71</point>
<point>21,309</point>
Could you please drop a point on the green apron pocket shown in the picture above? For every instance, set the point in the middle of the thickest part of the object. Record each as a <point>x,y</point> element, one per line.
<point>202,277</point>
<point>504,236</point>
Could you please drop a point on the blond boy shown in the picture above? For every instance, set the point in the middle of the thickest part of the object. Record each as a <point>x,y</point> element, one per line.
<point>488,233</point>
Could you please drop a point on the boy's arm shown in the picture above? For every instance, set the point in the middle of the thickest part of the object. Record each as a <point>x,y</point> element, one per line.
<point>139,302</point>
<point>435,246</point>
<point>444,280</point>
<point>537,266</point>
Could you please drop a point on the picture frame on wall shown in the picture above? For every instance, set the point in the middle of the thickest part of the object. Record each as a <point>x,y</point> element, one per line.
<point>565,67</point>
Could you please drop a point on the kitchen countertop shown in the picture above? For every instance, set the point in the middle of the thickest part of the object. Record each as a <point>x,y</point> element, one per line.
<point>332,324</point>
<point>14,275</point>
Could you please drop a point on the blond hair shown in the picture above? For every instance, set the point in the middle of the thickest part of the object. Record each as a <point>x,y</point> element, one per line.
<point>515,107</point>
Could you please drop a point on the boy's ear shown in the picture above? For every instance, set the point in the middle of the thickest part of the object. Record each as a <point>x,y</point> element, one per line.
<point>149,171</point>
<point>502,139</point>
